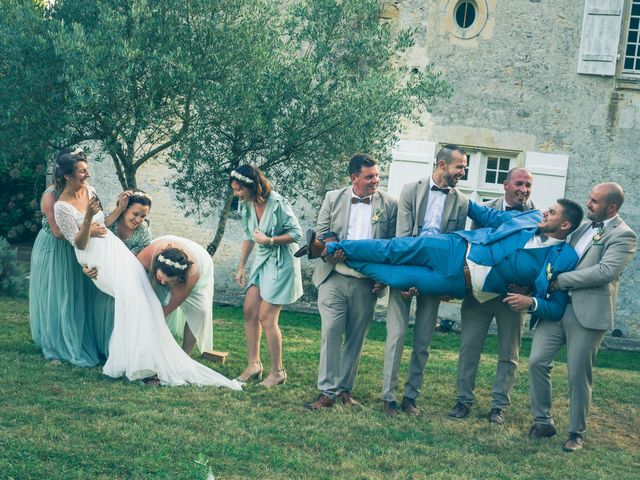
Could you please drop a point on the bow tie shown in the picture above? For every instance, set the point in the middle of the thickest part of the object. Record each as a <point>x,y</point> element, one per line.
<point>435,188</point>
<point>519,208</point>
<point>597,224</point>
<point>365,200</point>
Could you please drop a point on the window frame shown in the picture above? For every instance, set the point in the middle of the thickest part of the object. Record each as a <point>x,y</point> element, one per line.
<point>475,186</point>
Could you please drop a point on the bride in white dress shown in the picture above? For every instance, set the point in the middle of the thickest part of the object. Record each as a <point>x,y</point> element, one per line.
<point>141,345</point>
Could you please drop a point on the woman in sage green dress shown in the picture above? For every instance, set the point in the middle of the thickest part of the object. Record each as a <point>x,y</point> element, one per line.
<point>60,296</point>
<point>274,278</point>
<point>128,222</point>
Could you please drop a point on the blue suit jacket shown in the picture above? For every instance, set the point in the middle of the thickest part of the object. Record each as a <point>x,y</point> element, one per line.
<point>505,233</point>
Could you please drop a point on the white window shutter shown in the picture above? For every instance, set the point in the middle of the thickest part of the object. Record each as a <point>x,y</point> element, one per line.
<point>412,160</point>
<point>600,36</point>
<point>549,177</point>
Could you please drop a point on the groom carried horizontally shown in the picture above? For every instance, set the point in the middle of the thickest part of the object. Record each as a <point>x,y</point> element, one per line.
<point>526,249</point>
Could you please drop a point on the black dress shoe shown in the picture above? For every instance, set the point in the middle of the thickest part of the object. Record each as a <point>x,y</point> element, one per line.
<point>496,415</point>
<point>541,431</point>
<point>573,443</point>
<point>409,407</point>
<point>459,411</point>
<point>390,408</point>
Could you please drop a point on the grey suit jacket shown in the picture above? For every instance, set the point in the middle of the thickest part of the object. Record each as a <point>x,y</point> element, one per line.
<point>594,282</point>
<point>498,204</point>
<point>413,206</point>
<point>334,217</point>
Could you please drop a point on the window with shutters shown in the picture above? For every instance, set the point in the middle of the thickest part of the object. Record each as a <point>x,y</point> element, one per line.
<point>485,172</point>
<point>600,37</point>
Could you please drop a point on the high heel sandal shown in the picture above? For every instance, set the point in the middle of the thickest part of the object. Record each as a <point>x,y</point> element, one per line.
<point>281,381</point>
<point>251,376</point>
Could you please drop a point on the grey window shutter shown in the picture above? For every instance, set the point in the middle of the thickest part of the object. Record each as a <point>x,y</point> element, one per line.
<point>600,37</point>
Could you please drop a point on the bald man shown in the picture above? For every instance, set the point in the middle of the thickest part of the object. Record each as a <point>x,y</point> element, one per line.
<point>605,245</point>
<point>477,315</point>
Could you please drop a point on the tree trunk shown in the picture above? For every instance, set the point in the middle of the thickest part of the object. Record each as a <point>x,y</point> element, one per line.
<point>222,223</point>
<point>130,177</point>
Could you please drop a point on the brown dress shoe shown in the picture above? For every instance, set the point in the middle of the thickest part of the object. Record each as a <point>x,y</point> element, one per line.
<point>348,400</point>
<point>323,401</point>
<point>459,411</point>
<point>496,415</point>
<point>409,407</point>
<point>541,431</point>
<point>390,408</point>
<point>574,443</point>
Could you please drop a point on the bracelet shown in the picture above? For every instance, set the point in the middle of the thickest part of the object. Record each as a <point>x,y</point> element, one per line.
<point>272,242</point>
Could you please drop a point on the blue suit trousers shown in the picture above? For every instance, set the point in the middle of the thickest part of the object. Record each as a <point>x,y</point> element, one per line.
<point>433,264</point>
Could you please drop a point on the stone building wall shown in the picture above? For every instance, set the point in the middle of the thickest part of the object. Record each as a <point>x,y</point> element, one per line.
<point>516,87</point>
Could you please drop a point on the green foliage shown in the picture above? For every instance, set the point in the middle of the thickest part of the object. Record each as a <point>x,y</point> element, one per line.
<point>13,281</point>
<point>321,80</point>
<point>30,114</point>
<point>22,185</point>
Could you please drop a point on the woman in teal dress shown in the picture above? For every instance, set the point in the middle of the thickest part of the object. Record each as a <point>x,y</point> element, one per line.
<point>274,278</point>
<point>60,312</point>
<point>128,222</point>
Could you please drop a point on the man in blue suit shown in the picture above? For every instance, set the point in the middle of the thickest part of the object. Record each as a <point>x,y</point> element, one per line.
<point>527,249</point>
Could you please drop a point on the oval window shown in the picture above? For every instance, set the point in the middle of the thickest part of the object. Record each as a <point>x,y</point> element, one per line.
<point>465,14</point>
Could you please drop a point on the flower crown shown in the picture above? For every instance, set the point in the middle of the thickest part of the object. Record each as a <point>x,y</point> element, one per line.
<point>141,195</point>
<point>171,263</point>
<point>240,177</point>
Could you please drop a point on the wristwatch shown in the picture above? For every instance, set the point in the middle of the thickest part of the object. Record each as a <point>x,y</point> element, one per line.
<point>271,241</point>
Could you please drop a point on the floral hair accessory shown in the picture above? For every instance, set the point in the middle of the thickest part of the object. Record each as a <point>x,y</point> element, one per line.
<point>171,263</point>
<point>239,176</point>
<point>77,151</point>
<point>141,195</point>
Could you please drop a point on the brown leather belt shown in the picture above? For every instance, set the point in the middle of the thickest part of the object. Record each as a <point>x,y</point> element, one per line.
<point>467,276</point>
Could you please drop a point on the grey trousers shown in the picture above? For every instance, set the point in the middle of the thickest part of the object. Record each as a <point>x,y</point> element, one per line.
<point>346,307</point>
<point>476,320</point>
<point>582,347</point>
<point>397,323</point>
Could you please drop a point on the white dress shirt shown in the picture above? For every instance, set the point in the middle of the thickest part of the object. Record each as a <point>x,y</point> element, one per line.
<point>587,238</point>
<point>435,208</point>
<point>360,228</point>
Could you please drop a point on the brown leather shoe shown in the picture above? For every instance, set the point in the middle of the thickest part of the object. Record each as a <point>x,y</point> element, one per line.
<point>459,411</point>
<point>390,408</point>
<point>496,415</point>
<point>541,431</point>
<point>574,443</point>
<point>409,407</point>
<point>348,400</point>
<point>323,401</point>
<point>316,248</point>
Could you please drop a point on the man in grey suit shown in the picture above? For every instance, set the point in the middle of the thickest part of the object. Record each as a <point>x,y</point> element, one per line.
<point>346,298</point>
<point>476,318</point>
<point>429,206</point>
<point>605,246</point>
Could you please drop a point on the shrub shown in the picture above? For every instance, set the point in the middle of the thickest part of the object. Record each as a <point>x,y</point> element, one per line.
<point>20,215</point>
<point>13,279</point>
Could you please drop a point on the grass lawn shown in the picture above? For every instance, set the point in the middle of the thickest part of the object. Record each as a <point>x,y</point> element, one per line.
<point>64,422</point>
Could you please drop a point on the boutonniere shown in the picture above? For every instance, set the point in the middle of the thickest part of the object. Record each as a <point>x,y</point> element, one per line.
<point>375,218</point>
<point>598,235</point>
<point>549,272</point>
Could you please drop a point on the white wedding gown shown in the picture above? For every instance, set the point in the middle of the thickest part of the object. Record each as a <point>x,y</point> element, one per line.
<point>141,344</point>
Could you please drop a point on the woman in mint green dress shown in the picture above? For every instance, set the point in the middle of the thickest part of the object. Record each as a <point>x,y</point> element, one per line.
<point>60,312</point>
<point>130,226</point>
<point>274,278</point>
